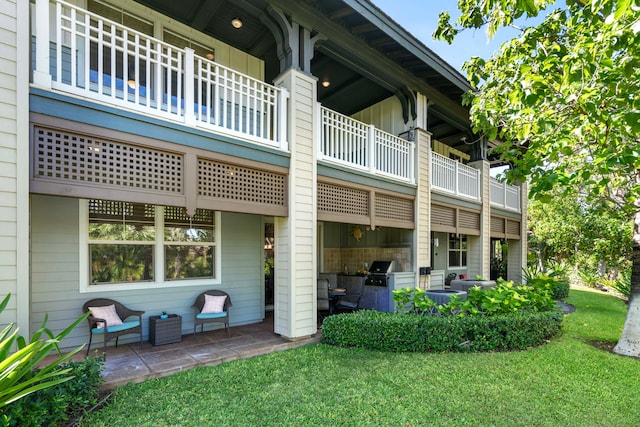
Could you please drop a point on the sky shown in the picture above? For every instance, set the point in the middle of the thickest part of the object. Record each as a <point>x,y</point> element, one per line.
<point>420,18</point>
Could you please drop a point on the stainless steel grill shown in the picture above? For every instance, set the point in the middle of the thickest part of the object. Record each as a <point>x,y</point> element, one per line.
<point>379,273</point>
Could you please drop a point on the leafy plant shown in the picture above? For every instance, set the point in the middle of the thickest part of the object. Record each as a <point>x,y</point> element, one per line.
<point>18,374</point>
<point>59,403</point>
<point>589,278</point>
<point>622,283</point>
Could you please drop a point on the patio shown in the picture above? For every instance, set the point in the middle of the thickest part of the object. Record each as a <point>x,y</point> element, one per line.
<point>129,363</point>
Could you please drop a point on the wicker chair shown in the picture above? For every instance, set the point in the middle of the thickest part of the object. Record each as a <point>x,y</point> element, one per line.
<point>200,318</point>
<point>114,331</point>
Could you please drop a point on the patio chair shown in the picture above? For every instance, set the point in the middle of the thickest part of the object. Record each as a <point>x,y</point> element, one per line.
<point>211,306</point>
<point>109,319</point>
<point>324,306</point>
<point>351,301</point>
<point>450,277</point>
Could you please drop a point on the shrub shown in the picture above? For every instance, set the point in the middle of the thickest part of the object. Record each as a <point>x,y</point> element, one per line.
<point>419,333</point>
<point>556,276</point>
<point>622,283</point>
<point>504,298</point>
<point>56,405</point>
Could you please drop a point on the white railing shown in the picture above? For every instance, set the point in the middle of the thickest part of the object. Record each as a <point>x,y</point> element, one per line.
<point>361,146</point>
<point>90,56</point>
<point>504,195</point>
<point>455,178</point>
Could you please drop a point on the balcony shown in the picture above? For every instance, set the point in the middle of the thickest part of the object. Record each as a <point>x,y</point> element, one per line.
<point>454,178</point>
<point>357,145</point>
<point>504,196</point>
<point>94,58</point>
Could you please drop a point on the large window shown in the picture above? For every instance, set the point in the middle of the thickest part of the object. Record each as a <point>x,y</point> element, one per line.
<point>137,242</point>
<point>457,250</point>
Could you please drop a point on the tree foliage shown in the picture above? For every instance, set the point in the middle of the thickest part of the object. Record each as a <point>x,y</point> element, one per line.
<point>563,97</point>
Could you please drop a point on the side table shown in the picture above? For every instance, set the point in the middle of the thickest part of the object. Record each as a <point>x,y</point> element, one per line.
<point>165,331</point>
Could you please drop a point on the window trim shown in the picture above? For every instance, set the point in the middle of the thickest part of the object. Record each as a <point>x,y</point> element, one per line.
<point>159,282</point>
<point>460,251</point>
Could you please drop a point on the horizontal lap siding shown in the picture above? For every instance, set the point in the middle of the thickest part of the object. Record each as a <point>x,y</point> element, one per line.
<point>55,288</point>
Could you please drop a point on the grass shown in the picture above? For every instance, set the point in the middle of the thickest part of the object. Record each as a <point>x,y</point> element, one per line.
<point>567,382</point>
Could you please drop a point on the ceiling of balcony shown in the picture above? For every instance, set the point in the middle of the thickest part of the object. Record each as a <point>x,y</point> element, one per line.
<point>357,32</point>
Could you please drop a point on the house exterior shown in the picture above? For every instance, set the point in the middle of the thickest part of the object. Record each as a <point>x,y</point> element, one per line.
<point>154,149</point>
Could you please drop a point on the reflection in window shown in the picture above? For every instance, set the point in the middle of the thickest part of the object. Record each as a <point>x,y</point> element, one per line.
<point>124,240</point>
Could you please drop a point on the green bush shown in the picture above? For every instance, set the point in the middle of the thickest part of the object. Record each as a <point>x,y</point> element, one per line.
<point>419,333</point>
<point>504,298</point>
<point>56,405</point>
<point>622,283</point>
<point>556,276</point>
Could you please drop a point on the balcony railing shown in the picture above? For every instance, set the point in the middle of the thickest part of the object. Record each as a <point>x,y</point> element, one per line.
<point>504,195</point>
<point>361,146</point>
<point>93,57</point>
<point>454,178</point>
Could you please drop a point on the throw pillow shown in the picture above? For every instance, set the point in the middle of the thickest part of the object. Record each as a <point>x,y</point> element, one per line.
<point>108,313</point>
<point>213,303</point>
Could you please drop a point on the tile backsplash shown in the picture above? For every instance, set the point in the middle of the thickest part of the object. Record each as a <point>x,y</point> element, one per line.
<point>335,259</point>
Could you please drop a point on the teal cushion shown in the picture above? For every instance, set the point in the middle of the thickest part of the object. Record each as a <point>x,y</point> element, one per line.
<point>117,328</point>
<point>211,315</point>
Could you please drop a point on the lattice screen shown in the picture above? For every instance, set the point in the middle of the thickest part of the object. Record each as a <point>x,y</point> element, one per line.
<point>231,182</point>
<point>443,215</point>
<point>513,227</point>
<point>338,199</point>
<point>395,208</point>
<point>68,157</point>
<point>469,220</point>
<point>497,225</point>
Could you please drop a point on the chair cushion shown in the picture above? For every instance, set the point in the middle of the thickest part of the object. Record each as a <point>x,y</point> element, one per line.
<point>213,304</point>
<point>211,315</point>
<point>122,327</point>
<point>108,313</point>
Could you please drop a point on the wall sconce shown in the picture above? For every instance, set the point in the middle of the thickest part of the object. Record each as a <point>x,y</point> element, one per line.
<point>236,23</point>
<point>411,136</point>
<point>211,56</point>
<point>131,83</point>
<point>357,233</point>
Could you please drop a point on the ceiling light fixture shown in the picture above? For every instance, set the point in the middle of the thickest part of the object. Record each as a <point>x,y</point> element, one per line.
<point>236,23</point>
<point>326,83</point>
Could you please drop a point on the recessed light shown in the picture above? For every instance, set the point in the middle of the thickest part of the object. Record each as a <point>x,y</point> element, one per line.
<point>236,23</point>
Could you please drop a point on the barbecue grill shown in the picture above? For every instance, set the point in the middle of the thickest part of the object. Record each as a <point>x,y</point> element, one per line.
<point>379,273</point>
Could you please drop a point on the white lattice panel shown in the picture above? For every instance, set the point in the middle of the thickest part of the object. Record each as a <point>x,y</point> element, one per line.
<point>68,157</point>
<point>231,182</point>
<point>337,199</point>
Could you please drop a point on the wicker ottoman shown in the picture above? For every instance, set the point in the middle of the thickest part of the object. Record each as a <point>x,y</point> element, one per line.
<point>165,331</point>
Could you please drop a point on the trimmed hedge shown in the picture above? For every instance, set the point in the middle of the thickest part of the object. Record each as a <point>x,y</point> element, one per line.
<point>396,332</point>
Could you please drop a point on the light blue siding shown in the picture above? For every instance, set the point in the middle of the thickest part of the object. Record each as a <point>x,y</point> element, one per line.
<point>55,273</point>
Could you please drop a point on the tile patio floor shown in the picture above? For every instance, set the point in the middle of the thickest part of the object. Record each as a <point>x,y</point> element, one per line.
<point>130,363</point>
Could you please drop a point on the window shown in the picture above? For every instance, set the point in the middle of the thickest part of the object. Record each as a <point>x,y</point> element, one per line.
<point>457,250</point>
<point>136,243</point>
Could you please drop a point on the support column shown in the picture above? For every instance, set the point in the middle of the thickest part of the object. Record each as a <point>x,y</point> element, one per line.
<point>422,235</point>
<point>295,235</point>
<point>518,249</point>
<point>479,252</point>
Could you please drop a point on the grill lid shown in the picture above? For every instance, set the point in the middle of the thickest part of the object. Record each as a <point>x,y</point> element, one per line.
<point>380,267</point>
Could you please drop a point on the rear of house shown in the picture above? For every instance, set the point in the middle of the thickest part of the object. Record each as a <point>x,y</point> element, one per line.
<point>156,151</point>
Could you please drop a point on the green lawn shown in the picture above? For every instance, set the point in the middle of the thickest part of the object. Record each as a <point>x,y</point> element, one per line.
<point>567,382</point>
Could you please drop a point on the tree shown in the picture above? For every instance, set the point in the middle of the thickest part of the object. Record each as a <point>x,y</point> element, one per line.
<point>563,98</point>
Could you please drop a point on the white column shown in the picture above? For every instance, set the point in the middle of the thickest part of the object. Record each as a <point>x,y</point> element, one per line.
<point>296,238</point>
<point>41,75</point>
<point>482,253</point>
<point>422,234</point>
<point>189,87</point>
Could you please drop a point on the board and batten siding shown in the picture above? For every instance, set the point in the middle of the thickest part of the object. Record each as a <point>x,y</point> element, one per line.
<point>14,163</point>
<point>55,273</point>
<point>385,115</point>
